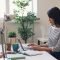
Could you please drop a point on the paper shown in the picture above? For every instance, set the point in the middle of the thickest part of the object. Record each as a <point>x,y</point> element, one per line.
<point>31,52</point>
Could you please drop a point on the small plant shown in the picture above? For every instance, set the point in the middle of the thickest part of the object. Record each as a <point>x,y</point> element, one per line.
<point>11,34</point>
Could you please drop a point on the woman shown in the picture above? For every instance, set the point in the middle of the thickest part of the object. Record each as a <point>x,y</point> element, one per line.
<point>53,45</point>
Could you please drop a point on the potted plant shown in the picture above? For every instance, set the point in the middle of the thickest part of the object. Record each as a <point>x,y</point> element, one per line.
<point>11,40</point>
<point>12,37</point>
<point>25,23</point>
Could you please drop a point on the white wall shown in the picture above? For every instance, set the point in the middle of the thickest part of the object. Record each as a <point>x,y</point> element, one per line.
<point>43,6</point>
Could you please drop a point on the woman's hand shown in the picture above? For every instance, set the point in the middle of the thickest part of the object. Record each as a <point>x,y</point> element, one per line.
<point>32,44</point>
<point>35,47</point>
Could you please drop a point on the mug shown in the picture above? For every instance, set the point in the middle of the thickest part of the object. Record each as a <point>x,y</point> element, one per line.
<point>15,47</point>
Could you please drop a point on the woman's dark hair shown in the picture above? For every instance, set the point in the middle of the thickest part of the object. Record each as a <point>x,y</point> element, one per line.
<point>54,13</point>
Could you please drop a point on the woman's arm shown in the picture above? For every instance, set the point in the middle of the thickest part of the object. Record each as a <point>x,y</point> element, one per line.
<point>45,49</point>
<point>42,45</point>
<point>42,48</point>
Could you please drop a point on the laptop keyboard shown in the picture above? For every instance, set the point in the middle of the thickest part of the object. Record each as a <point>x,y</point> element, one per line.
<point>31,52</point>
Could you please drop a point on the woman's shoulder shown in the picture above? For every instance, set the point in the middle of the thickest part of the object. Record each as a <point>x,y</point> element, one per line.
<point>54,29</point>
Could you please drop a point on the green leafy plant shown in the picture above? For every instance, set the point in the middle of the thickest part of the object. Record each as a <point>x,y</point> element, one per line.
<point>11,34</point>
<point>25,22</point>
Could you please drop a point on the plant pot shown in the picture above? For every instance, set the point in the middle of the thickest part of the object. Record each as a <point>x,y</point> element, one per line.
<point>8,47</point>
<point>12,40</point>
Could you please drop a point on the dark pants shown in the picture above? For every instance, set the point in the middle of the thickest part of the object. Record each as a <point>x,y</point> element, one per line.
<point>56,55</point>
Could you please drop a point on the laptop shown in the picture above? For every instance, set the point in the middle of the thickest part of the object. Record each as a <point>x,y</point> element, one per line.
<point>28,51</point>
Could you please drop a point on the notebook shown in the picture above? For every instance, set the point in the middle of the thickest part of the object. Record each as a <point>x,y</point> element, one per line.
<point>28,51</point>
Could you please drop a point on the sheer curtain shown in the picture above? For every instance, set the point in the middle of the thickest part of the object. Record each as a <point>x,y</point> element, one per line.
<point>2,12</point>
<point>2,8</point>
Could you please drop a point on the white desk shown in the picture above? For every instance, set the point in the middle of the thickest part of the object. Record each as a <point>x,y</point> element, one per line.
<point>44,56</point>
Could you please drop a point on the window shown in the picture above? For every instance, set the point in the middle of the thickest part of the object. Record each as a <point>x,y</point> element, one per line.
<point>2,8</point>
<point>7,6</point>
<point>32,7</point>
